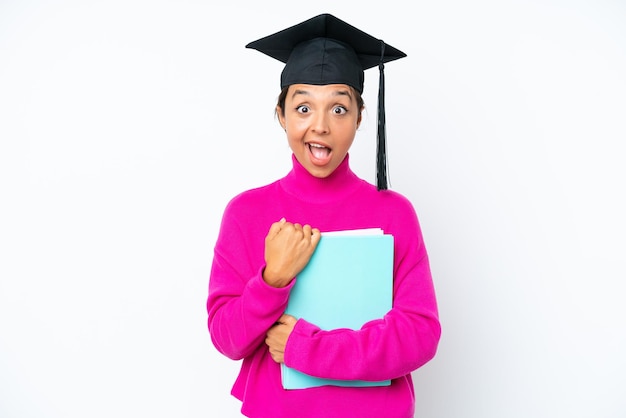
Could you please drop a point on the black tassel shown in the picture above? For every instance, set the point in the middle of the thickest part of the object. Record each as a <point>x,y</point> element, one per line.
<point>381,137</point>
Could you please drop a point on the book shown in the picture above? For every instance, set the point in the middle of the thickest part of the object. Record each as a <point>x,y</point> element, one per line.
<point>347,282</point>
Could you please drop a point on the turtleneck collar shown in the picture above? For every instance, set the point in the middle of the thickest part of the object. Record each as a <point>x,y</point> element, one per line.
<point>337,186</point>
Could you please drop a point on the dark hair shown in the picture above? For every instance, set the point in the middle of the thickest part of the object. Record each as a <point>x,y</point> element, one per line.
<point>283,96</point>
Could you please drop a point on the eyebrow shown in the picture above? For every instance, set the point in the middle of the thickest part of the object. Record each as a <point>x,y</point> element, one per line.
<point>335,93</point>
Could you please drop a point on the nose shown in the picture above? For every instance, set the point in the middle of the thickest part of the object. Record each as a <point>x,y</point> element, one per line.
<point>319,123</point>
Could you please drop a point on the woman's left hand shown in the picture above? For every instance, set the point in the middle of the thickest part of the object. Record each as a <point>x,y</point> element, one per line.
<point>277,336</point>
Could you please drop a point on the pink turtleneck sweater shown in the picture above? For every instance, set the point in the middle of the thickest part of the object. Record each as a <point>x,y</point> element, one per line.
<point>242,307</point>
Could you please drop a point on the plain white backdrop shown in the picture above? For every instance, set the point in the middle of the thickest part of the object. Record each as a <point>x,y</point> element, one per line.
<point>125,127</point>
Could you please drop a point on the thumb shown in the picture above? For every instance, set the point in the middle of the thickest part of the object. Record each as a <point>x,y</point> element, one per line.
<point>275,228</point>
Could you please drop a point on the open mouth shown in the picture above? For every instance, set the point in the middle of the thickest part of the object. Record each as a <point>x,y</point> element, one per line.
<point>319,151</point>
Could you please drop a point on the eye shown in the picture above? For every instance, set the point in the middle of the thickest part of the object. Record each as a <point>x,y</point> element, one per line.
<point>339,110</point>
<point>302,109</point>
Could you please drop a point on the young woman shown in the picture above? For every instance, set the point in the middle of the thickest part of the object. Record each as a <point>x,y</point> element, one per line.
<point>268,235</point>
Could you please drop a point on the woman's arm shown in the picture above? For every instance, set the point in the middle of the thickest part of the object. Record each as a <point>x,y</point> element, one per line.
<point>405,339</point>
<point>242,303</point>
<point>241,310</point>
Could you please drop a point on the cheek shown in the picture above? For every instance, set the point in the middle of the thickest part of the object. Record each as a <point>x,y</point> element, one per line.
<point>297,126</point>
<point>347,134</point>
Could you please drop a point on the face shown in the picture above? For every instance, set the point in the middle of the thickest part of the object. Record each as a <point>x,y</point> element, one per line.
<point>320,122</point>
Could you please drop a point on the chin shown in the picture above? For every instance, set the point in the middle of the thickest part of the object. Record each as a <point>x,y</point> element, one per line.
<point>320,174</point>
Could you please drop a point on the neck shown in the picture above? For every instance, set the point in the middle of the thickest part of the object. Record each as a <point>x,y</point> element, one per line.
<point>304,186</point>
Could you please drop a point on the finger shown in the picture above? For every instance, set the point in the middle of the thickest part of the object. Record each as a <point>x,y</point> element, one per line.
<point>276,227</point>
<point>315,237</point>
<point>278,357</point>
<point>275,351</point>
<point>270,341</point>
<point>296,231</point>
<point>270,332</point>
<point>287,319</point>
<point>286,226</point>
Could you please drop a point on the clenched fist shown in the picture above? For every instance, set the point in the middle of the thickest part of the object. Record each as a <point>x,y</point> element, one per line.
<point>277,336</point>
<point>288,248</point>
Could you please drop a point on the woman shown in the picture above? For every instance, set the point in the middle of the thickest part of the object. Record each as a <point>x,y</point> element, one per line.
<point>268,235</point>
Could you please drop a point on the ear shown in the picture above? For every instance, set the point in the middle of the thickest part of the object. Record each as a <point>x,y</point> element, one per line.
<point>281,117</point>
<point>360,118</point>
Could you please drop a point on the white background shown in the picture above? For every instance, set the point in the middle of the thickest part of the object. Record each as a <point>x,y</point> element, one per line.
<point>125,127</point>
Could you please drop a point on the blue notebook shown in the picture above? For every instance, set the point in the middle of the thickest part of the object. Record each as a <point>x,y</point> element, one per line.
<point>347,282</point>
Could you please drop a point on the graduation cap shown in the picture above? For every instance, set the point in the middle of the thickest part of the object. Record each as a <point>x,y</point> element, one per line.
<point>326,50</point>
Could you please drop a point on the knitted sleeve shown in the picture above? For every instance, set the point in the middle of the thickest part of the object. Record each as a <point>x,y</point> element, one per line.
<point>241,306</point>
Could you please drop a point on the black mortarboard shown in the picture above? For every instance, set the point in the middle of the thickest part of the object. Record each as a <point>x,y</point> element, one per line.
<point>326,50</point>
